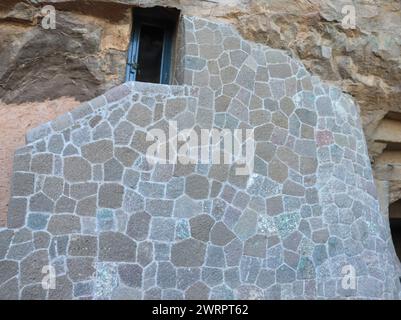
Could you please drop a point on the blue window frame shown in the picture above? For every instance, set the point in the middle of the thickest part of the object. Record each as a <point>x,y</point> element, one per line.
<point>150,50</point>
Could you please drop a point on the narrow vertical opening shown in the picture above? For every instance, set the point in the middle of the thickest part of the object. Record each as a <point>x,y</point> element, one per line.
<point>395,225</point>
<point>150,56</point>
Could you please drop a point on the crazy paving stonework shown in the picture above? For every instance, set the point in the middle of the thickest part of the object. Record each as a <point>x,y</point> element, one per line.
<point>86,201</point>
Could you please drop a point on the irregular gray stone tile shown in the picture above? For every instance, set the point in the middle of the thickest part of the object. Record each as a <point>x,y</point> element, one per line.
<point>37,221</point>
<point>198,291</point>
<point>131,275</point>
<point>133,201</point>
<point>64,224</point>
<point>130,178</point>
<point>232,277</point>
<point>265,278</point>
<point>138,226</point>
<point>113,170</point>
<point>53,187</point>
<point>285,274</point>
<point>42,163</point>
<point>20,251</point>
<point>186,277</point>
<point>153,294</point>
<point>221,293</point>
<point>22,184</point>
<point>33,292</point>
<point>201,226</point>
<point>249,269</point>
<point>186,207</point>
<point>335,246</point>
<point>293,189</point>
<point>172,294</point>
<point>5,240</point>
<point>125,155</point>
<point>162,251</point>
<point>166,275</point>
<point>22,235</point>
<point>123,133</point>
<point>83,246</point>
<point>162,229</point>
<point>324,106</point>
<point>63,289</point>
<point>231,216</point>
<point>87,207</point>
<point>174,106</point>
<point>151,189</point>
<point>114,246</point>
<point>21,162</point>
<point>41,240</point>
<point>83,289</point>
<point>31,267</point>
<point>246,225</point>
<point>58,246</point>
<point>9,290</point>
<point>233,252</point>
<point>98,152</point>
<point>320,236</point>
<point>105,220</point>
<point>81,268</point>
<point>41,203</point>
<point>16,212</point>
<point>212,276</point>
<point>188,253</point>
<point>140,115</point>
<point>145,253</point>
<point>65,205</point>
<point>306,269</point>
<point>241,200</point>
<point>111,195</point>
<point>158,207</point>
<point>256,246</point>
<point>220,235</point>
<point>77,169</point>
<point>197,187</point>
<point>175,188</point>
<point>215,257</point>
<point>277,171</point>
<point>9,269</point>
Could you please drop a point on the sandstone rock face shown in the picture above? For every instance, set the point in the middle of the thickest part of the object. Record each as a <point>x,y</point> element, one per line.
<point>303,216</point>
<point>81,58</point>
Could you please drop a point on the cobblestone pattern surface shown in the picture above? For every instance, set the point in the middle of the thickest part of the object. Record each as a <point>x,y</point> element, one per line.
<point>85,200</point>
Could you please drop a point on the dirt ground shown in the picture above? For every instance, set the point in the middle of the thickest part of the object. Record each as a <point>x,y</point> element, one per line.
<point>15,121</point>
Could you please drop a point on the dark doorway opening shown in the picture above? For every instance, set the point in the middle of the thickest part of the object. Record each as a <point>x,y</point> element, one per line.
<point>395,225</point>
<point>150,54</point>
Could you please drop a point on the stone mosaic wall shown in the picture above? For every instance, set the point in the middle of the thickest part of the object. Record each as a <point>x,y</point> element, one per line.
<point>86,201</point>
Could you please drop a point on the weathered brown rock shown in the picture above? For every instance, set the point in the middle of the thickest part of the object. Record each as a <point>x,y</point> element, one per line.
<point>81,58</point>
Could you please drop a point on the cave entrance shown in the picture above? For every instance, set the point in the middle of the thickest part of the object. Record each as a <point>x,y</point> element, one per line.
<point>395,225</point>
<point>150,56</point>
<point>387,169</point>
